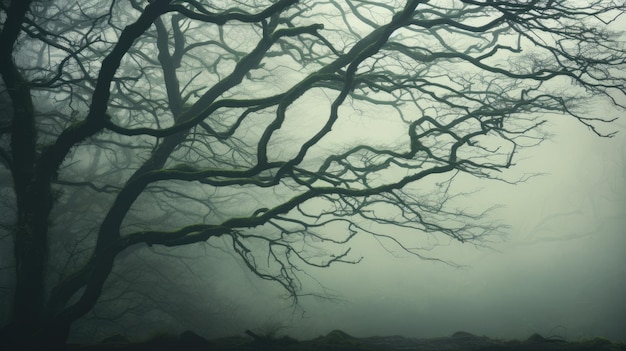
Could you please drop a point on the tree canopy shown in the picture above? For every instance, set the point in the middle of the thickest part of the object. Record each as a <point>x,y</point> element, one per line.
<point>278,130</point>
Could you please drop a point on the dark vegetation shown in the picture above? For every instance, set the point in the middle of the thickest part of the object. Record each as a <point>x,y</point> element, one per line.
<point>338,340</point>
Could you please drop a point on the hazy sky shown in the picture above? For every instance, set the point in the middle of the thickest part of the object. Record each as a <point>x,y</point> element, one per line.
<point>561,270</point>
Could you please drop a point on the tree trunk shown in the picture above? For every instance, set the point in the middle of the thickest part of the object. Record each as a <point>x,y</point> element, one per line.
<point>27,326</point>
<point>30,259</point>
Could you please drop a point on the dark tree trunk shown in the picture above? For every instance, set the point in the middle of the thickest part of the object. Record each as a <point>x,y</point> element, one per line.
<point>31,249</point>
<point>32,193</point>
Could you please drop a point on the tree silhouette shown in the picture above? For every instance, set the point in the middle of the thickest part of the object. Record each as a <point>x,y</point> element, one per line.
<point>283,128</point>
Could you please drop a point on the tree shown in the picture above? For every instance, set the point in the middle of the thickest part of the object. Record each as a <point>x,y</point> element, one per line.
<point>257,123</point>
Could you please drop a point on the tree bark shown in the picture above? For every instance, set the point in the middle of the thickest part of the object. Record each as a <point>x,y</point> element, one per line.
<point>33,197</point>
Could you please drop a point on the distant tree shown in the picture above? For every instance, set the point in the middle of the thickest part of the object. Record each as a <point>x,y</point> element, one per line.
<point>283,128</point>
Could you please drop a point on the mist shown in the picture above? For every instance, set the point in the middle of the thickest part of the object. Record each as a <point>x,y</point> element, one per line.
<point>290,168</point>
<point>559,271</point>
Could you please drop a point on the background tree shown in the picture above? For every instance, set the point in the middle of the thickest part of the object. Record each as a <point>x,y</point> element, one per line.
<point>257,126</point>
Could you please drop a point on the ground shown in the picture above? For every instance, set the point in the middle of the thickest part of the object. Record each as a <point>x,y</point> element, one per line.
<point>338,340</point>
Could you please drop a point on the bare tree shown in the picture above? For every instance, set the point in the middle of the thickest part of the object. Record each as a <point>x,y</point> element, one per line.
<point>286,127</point>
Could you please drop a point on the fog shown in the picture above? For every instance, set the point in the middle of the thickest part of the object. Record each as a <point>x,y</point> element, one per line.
<point>560,270</point>
<point>254,149</point>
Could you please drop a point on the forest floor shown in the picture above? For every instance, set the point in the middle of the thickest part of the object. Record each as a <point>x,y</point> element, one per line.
<point>340,341</point>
